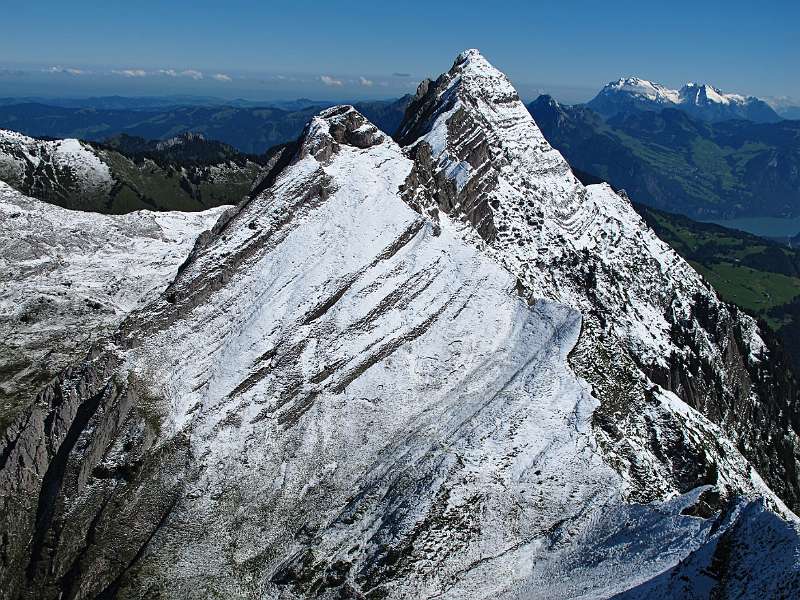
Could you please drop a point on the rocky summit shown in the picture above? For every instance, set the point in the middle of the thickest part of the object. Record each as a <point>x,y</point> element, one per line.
<point>434,366</point>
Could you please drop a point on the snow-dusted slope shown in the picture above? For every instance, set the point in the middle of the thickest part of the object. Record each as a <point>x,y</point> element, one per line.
<point>348,392</point>
<point>368,376</point>
<point>56,166</point>
<point>70,277</point>
<point>698,99</point>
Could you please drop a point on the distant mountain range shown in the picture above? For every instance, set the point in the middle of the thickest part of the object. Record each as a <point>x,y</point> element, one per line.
<point>787,108</point>
<point>677,150</point>
<point>249,129</point>
<point>789,112</point>
<point>678,163</point>
<point>700,100</point>
<point>150,102</point>
<point>187,149</point>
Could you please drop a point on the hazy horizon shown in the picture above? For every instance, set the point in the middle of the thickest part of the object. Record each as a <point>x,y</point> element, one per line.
<point>360,50</point>
<point>30,82</point>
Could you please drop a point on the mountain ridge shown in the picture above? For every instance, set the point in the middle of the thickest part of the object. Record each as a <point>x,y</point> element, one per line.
<point>704,101</point>
<point>554,241</point>
<point>128,174</point>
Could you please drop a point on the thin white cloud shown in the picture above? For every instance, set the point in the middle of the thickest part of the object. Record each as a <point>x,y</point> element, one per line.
<point>267,79</point>
<point>191,73</point>
<point>777,102</point>
<point>130,72</point>
<point>330,81</point>
<point>365,82</point>
<point>65,70</point>
<point>222,77</point>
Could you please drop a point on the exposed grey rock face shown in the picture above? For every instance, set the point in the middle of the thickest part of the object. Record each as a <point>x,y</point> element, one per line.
<point>69,279</point>
<point>359,384</point>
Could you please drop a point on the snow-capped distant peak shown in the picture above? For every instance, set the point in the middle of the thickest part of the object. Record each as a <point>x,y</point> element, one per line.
<point>699,93</point>
<point>644,88</point>
<point>691,93</point>
<point>699,99</point>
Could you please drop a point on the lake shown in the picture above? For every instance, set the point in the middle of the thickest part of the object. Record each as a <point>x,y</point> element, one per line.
<point>772,227</point>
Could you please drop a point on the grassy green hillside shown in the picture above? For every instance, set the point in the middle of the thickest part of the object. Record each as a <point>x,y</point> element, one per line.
<point>146,184</point>
<point>673,162</point>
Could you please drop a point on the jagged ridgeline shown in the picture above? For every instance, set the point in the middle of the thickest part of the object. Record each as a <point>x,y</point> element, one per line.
<point>435,366</point>
<point>125,172</point>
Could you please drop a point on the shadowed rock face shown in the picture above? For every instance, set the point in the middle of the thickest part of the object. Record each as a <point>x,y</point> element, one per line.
<point>469,146</point>
<point>356,387</point>
<point>71,278</point>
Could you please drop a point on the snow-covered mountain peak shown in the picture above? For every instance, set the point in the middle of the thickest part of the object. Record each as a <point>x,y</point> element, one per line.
<point>433,368</point>
<point>474,86</point>
<point>481,159</point>
<point>642,88</point>
<point>692,92</point>
<point>468,55</point>
<point>701,100</point>
<point>471,64</point>
<point>472,61</point>
<point>481,136</point>
<point>701,93</point>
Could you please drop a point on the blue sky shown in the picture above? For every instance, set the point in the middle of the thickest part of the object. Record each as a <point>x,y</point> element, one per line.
<point>351,49</point>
